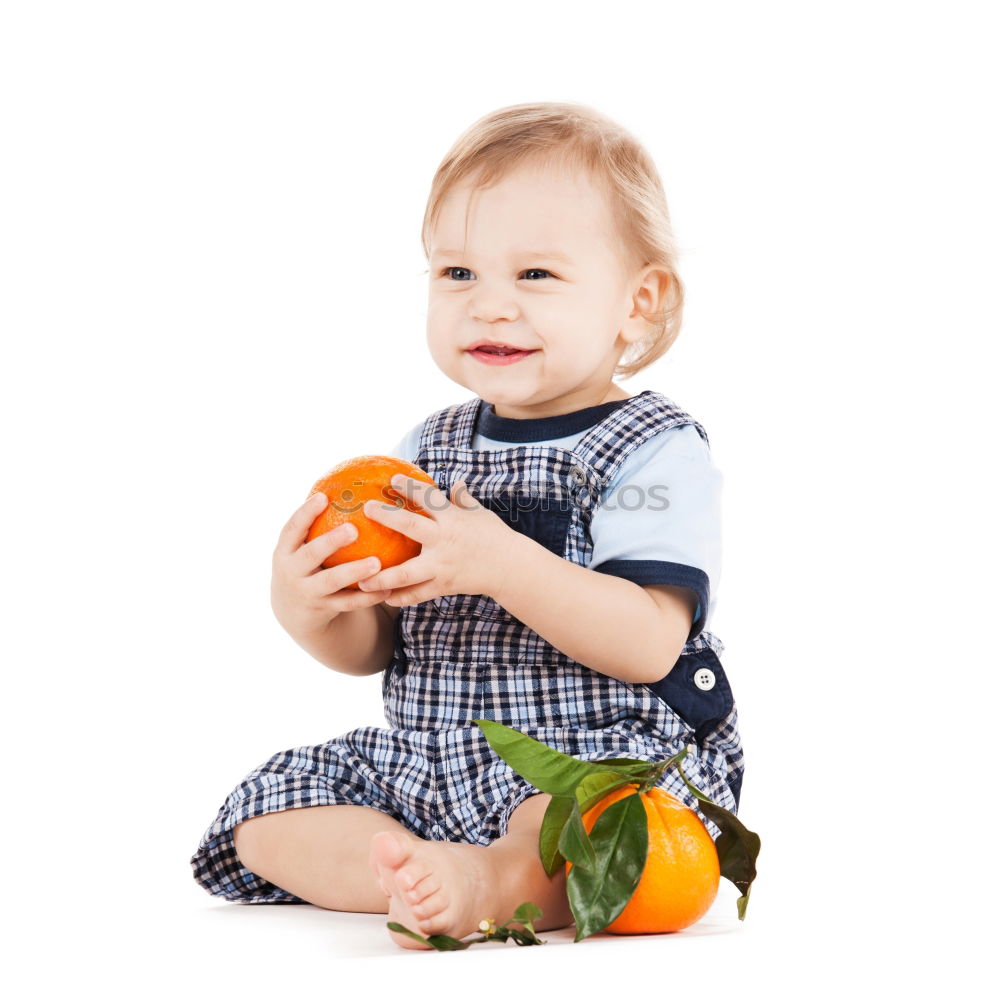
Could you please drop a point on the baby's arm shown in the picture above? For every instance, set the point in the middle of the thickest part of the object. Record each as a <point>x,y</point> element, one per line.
<point>359,642</point>
<point>607,623</point>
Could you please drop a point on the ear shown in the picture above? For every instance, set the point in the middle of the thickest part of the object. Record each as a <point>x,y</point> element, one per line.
<point>650,297</point>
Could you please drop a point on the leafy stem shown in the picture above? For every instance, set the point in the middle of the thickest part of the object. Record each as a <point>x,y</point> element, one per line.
<point>525,915</point>
<point>600,882</point>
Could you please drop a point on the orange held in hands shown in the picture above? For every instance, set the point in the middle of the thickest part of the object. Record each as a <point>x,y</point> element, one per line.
<point>347,486</point>
<point>680,880</point>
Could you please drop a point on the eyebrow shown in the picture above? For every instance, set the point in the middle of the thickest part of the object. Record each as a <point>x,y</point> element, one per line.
<point>544,254</point>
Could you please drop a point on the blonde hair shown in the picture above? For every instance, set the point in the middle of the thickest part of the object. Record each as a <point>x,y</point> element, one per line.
<point>576,135</point>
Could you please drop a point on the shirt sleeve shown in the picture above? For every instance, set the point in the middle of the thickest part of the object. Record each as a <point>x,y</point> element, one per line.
<point>659,520</point>
<point>408,445</point>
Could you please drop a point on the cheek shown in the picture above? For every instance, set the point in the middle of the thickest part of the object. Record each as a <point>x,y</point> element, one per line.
<point>442,345</point>
<point>442,316</point>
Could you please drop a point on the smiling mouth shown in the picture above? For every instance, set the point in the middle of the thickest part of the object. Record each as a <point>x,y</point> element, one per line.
<point>486,349</point>
<point>499,356</point>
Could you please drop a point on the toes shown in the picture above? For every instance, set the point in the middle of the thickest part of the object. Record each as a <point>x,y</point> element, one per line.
<point>437,923</point>
<point>391,859</point>
<point>431,906</point>
<point>388,850</point>
<point>411,873</point>
<point>428,885</point>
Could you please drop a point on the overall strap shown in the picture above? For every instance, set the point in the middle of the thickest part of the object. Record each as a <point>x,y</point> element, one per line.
<point>607,445</point>
<point>451,427</point>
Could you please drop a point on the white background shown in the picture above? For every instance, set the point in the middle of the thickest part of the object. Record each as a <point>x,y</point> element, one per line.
<point>212,290</point>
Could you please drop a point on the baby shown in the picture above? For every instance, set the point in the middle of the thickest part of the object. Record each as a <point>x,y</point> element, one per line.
<point>568,566</point>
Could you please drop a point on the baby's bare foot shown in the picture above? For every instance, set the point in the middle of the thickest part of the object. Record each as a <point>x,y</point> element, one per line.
<point>435,887</point>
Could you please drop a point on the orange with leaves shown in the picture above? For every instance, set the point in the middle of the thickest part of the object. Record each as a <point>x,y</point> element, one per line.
<point>348,486</point>
<point>681,877</point>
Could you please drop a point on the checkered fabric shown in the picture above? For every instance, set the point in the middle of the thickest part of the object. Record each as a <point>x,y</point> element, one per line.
<point>464,657</point>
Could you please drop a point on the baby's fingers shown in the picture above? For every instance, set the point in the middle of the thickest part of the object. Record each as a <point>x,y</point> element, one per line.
<point>297,526</point>
<point>313,554</point>
<point>402,581</point>
<point>334,581</point>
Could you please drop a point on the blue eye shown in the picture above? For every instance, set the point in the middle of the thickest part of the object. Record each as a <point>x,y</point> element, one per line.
<point>446,272</point>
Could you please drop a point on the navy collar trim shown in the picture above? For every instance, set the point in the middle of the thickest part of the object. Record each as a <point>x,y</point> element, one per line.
<point>497,428</point>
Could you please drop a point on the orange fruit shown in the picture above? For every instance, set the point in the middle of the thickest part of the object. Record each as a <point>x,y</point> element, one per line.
<point>681,877</point>
<point>348,486</point>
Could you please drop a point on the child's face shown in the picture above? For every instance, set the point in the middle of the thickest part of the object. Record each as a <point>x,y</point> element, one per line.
<point>577,315</point>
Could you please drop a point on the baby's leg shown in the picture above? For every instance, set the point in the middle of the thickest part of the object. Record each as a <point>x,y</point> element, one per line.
<point>319,853</point>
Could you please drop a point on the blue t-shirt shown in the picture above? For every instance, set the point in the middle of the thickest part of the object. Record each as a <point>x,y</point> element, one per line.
<point>658,520</point>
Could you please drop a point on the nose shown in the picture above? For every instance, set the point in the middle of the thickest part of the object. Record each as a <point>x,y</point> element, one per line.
<point>489,304</point>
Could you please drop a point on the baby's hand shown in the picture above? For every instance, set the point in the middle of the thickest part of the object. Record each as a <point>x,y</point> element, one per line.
<point>305,595</point>
<point>464,544</point>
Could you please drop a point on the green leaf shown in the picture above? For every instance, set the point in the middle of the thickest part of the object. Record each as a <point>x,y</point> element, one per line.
<point>574,844</point>
<point>736,846</point>
<point>629,764</point>
<point>556,814</point>
<point>527,913</point>
<point>524,914</point>
<point>593,787</point>
<point>547,769</point>
<point>621,841</point>
<point>525,937</point>
<point>439,941</point>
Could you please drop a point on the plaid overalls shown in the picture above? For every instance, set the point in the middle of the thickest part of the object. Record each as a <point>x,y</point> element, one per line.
<point>464,657</point>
